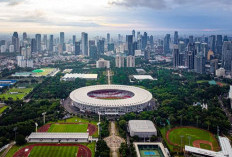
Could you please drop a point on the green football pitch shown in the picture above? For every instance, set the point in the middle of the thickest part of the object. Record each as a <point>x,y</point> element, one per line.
<point>68,128</point>
<point>54,151</point>
<point>16,93</point>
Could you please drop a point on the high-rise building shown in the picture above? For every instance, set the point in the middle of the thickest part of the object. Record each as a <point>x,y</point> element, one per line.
<point>227,55</point>
<point>74,39</point>
<point>212,40</point>
<point>15,42</point>
<point>213,66</point>
<point>167,44</point>
<point>176,38</point>
<point>176,59</point>
<point>108,37</point>
<point>119,61</point>
<point>51,43</point>
<point>62,38</point>
<point>45,41</point>
<point>24,36</point>
<point>110,47</point>
<point>190,59</point>
<point>144,40</point>
<point>33,45</point>
<point>77,48</point>
<point>133,33</point>
<point>100,47</point>
<point>84,44</point>
<point>152,41</point>
<point>129,43</point>
<point>38,42</point>
<point>191,40</point>
<point>130,61</point>
<point>225,38</point>
<point>199,63</point>
<point>93,51</point>
<point>204,49</point>
<point>219,45</point>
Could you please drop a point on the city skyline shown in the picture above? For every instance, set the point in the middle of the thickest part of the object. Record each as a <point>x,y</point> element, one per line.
<point>116,16</point>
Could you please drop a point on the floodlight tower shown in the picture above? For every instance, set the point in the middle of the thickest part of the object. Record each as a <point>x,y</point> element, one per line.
<point>43,114</point>
<point>36,125</point>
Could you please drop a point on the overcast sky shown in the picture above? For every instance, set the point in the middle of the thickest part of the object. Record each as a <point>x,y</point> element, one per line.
<point>52,16</point>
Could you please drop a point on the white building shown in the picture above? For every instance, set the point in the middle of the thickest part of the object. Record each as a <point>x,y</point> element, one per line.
<point>72,77</point>
<point>45,137</point>
<point>143,77</point>
<point>23,63</point>
<point>119,61</point>
<point>101,63</point>
<point>11,48</point>
<point>220,72</point>
<point>3,48</point>
<point>130,61</point>
<point>142,128</point>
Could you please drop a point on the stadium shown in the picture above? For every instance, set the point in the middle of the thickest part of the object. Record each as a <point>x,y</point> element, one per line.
<point>111,99</point>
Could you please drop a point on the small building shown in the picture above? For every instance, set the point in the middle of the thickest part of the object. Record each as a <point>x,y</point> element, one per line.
<point>151,149</point>
<point>142,128</point>
<point>101,63</point>
<point>73,77</point>
<point>44,137</point>
<point>143,77</point>
<point>221,72</point>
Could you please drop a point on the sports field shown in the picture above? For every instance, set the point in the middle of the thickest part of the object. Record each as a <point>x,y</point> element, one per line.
<point>190,136</point>
<point>16,93</point>
<point>150,153</point>
<point>68,128</point>
<point>43,71</point>
<point>2,109</point>
<point>54,151</point>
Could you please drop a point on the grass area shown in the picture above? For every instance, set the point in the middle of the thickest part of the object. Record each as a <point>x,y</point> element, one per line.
<point>205,146</point>
<point>54,151</point>
<point>14,149</point>
<point>68,128</point>
<point>202,81</point>
<point>20,93</point>
<point>2,109</point>
<point>193,133</point>
<point>78,120</point>
<point>91,146</point>
<point>44,72</point>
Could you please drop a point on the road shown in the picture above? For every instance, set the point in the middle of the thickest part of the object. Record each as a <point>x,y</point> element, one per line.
<point>114,141</point>
<point>228,114</point>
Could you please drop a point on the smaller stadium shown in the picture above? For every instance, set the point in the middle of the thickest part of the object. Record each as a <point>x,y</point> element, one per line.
<point>111,99</point>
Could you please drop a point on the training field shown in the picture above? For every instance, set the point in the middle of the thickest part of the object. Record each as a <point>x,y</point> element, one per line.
<point>68,127</point>
<point>54,151</point>
<point>192,136</point>
<point>43,72</point>
<point>16,93</point>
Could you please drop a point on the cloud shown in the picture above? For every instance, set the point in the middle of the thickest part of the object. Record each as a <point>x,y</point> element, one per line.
<point>12,2</point>
<point>154,4</point>
<point>170,4</point>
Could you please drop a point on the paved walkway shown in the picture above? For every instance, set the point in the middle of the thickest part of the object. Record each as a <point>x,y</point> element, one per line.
<point>7,149</point>
<point>114,141</point>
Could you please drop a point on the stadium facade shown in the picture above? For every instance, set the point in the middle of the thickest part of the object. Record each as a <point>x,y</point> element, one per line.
<point>111,99</point>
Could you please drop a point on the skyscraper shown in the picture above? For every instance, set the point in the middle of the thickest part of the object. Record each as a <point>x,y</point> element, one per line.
<point>129,42</point>
<point>51,44</point>
<point>227,55</point>
<point>62,38</point>
<point>15,42</point>
<point>110,47</point>
<point>108,37</point>
<point>176,59</point>
<point>167,44</point>
<point>100,47</point>
<point>74,39</point>
<point>199,63</point>
<point>176,37</point>
<point>93,51</point>
<point>219,45</point>
<point>45,41</point>
<point>77,48</point>
<point>119,61</point>
<point>24,35</point>
<point>144,41</point>
<point>33,45</point>
<point>212,39</point>
<point>130,61</point>
<point>133,33</point>
<point>191,40</point>
<point>84,44</point>
<point>38,42</point>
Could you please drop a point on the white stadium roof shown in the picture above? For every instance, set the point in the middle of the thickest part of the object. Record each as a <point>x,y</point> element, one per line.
<point>141,96</point>
<point>46,135</point>
<point>83,76</point>
<point>141,126</point>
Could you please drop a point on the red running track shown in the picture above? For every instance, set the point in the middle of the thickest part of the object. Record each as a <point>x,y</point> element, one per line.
<point>92,128</point>
<point>83,151</point>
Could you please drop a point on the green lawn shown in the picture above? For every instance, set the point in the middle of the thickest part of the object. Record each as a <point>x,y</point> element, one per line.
<point>20,95</point>
<point>14,149</point>
<point>45,72</point>
<point>54,151</point>
<point>78,120</point>
<point>68,128</point>
<point>205,146</point>
<point>2,109</point>
<point>194,133</point>
<point>202,81</point>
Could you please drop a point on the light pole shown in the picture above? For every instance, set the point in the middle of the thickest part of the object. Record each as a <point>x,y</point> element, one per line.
<point>15,129</point>
<point>189,137</point>
<point>36,125</point>
<point>181,136</point>
<point>43,114</point>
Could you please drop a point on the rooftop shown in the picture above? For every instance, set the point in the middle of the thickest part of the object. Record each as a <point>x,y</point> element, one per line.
<point>50,135</point>
<point>141,126</point>
<point>143,77</point>
<point>84,76</point>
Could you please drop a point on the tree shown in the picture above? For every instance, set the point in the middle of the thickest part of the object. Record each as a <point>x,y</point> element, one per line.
<point>102,150</point>
<point>20,140</point>
<point>153,138</point>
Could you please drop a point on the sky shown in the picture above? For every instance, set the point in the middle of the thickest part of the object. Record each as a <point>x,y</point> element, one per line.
<point>118,16</point>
